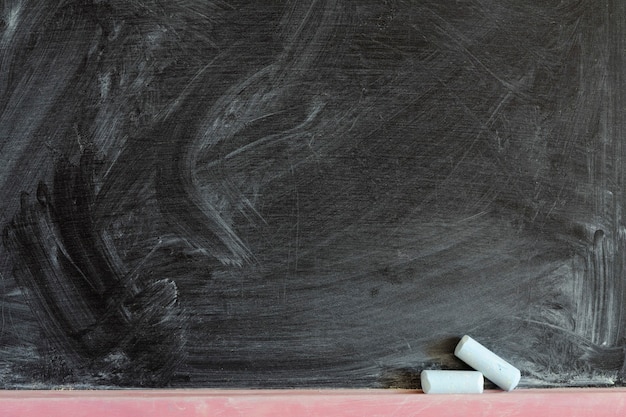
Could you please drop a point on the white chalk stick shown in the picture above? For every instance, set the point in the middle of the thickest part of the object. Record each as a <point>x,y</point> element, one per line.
<point>452,382</point>
<point>493,367</point>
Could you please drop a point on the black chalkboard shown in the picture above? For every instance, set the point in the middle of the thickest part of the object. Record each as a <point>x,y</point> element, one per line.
<point>301,194</point>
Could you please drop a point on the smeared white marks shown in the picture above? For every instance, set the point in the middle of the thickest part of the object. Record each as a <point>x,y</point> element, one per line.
<point>289,134</point>
<point>154,38</point>
<point>105,84</point>
<point>11,21</point>
<point>597,288</point>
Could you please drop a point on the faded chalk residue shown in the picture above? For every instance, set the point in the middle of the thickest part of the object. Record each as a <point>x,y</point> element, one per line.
<point>280,194</point>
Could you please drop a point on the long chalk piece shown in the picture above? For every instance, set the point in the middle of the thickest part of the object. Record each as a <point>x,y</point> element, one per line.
<point>493,367</point>
<point>452,382</point>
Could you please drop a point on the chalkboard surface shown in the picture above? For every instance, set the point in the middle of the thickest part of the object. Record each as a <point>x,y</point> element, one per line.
<point>318,193</point>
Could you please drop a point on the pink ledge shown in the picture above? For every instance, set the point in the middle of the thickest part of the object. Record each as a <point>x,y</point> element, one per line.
<point>283,403</point>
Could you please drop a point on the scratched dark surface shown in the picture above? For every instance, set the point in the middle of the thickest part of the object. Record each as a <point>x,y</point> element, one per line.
<point>324,193</point>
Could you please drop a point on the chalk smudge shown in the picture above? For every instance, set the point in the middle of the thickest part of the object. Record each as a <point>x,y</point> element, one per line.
<point>226,193</point>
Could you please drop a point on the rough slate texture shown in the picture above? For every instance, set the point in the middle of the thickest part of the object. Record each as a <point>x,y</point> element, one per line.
<point>318,193</point>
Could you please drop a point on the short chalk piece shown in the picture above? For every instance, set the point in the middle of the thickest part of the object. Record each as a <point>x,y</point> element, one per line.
<point>493,367</point>
<point>452,382</point>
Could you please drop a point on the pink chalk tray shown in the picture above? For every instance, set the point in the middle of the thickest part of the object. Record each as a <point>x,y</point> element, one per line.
<point>568,402</point>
